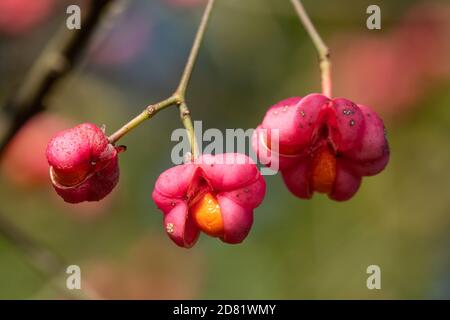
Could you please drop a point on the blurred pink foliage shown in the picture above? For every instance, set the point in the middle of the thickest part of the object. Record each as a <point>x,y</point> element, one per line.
<point>393,70</point>
<point>123,43</point>
<point>24,163</point>
<point>20,16</point>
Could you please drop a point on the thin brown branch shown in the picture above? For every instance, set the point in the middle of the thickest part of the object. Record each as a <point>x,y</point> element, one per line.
<point>56,61</point>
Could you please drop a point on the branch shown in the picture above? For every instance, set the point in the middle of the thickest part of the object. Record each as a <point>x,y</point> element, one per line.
<point>322,49</point>
<point>43,260</point>
<point>148,113</point>
<point>179,96</point>
<point>52,66</point>
<point>56,61</point>
<point>181,90</point>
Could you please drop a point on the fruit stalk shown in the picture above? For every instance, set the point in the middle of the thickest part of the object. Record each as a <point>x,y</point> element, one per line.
<point>178,98</point>
<point>321,47</point>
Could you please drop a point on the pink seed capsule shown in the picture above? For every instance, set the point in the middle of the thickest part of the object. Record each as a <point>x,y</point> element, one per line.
<point>325,145</point>
<point>214,194</point>
<point>83,163</point>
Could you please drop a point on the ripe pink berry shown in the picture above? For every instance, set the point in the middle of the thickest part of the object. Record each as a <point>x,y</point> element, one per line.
<point>214,194</point>
<point>325,145</point>
<point>83,163</point>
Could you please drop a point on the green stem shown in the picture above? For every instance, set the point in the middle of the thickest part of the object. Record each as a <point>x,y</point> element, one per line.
<point>179,97</point>
<point>148,113</point>
<point>181,90</point>
<point>185,116</point>
<point>322,49</point>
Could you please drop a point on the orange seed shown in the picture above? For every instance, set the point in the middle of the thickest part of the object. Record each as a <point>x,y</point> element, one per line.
<point>207,215</point>
<point>323,170</point>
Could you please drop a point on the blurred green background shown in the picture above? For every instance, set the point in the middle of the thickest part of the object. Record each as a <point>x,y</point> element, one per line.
<point>255,53</point>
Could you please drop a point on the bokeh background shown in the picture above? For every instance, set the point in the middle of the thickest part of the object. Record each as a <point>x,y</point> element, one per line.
<point>255,53</point>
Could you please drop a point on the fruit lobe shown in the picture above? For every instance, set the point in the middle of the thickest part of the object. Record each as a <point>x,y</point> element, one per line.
<point>83,163</point>
<point>215,194</point>
<point>325,145</point>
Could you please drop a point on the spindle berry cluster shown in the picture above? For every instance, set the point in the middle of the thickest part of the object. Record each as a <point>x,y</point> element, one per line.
<point>325,145</point>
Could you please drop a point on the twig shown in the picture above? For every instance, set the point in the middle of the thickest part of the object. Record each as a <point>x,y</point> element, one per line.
<point>41,258</point>
<point>322,49</point>
<point>186,120</point>
<point>148,113</point>
<point>56,61</point>
<point>179,96</point>
<point>181,90</point>
<point>30,100</point>
<point>44,261</point>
